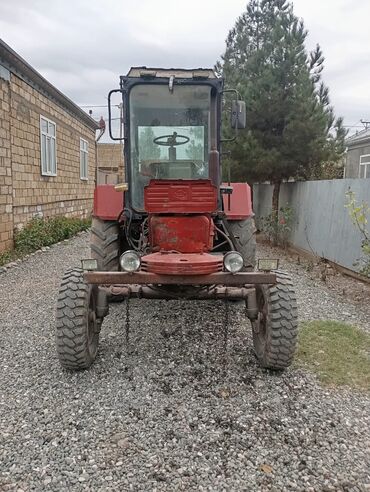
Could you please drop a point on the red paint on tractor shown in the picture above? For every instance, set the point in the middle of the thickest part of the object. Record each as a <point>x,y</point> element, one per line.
<point>182,196</point>
<point>185,234</point>
<point>108,203</point>
<point>169,263</point>
<point>240,202</point>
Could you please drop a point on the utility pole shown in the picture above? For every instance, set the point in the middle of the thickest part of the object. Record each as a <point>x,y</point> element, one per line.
<point>366,124</point>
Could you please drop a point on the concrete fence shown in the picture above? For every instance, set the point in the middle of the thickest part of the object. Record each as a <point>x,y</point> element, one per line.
<point>321,223</point>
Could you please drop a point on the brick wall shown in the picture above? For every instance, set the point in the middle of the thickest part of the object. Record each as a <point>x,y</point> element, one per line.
<point>6,195</point>
<point>24,191</point>
<point>110,163</point>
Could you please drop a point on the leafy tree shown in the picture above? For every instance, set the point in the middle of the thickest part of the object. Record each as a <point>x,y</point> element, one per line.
<point>291,127</point>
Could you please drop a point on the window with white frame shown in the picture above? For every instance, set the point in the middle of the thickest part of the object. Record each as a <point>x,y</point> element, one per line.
<point>48,147</point>
<point>364,166</point>
<point>84,160</point>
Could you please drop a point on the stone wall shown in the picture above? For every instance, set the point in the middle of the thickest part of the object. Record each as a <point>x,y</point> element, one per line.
<point>25,192</point>
<point>110,163</point>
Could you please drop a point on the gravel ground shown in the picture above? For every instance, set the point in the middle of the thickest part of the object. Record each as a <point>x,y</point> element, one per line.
<point>323,300</point>
<point>172,413</point>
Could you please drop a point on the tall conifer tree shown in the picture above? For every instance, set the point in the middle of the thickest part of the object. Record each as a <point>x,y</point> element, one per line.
<point>291,127</point>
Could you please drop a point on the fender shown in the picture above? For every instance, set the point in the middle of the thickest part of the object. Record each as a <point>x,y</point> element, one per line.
<point>240,202</point>
<point>108,203</point>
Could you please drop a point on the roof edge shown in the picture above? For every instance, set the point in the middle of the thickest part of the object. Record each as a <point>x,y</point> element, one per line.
<point>19,67</point>
<point>167,72</point>
<point>358,138</point>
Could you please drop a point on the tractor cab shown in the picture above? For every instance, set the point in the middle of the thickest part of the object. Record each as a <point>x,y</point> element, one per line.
<point>172,128</point>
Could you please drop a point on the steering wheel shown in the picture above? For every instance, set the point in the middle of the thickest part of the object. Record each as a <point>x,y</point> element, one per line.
<point>171,140</point>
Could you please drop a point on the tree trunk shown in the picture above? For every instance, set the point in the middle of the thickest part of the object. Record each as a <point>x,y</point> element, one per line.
<point>275,197</point>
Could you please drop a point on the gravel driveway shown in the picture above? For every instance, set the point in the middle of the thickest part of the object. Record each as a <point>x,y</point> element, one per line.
<point>173,414</point>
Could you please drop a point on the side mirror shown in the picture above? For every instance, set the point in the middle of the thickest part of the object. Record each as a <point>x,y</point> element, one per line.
<point>238,115</point>
<point>110,115</point>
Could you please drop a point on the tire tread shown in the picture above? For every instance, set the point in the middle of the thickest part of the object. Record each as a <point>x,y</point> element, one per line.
<point>283,324</point>
<point>71,314</point>
<point>244,233</point>
<point>104,244</point>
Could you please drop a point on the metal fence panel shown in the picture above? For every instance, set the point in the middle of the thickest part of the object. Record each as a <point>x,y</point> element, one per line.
<point>321,223</point>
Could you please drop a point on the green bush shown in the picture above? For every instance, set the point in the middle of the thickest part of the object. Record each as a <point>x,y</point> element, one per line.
<point>6,257</point>
<point>43,232</point>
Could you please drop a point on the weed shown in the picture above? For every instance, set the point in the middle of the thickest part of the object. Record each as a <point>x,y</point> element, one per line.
<point>359,215</point>
<point>278,228</point>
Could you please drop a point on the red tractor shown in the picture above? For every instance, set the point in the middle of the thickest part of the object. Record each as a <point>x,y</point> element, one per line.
<point>177,231</point>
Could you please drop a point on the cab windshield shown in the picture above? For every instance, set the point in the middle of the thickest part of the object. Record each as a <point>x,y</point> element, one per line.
<point>169,134</point>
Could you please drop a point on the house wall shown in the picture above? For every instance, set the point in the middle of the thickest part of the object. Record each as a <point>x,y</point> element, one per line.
<point>353,159</point>
<point>321,223</point>
<point>25,192</point>
<point>65,193</point>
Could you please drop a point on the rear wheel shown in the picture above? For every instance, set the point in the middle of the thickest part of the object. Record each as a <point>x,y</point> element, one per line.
<point>78,326</point>
<point>105,244</point>
<point>276,329</point>
<point>244,233</point>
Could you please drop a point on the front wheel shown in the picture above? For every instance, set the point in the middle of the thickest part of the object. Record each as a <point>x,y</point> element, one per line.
<point>275,331</point>
<point>78,326</point>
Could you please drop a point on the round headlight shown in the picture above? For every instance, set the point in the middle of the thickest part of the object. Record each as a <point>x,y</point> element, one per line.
<point>130,261</point>
<point>233,262</point>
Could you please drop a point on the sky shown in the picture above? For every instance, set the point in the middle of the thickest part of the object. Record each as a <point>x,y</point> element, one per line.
<point>82,46</point>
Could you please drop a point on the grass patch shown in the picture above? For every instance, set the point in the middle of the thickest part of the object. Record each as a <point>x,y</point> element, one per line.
<point>338,353</point>
<point>39,233</point>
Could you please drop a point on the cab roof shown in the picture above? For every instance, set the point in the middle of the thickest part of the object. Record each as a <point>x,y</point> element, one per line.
<point>181,73</point>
